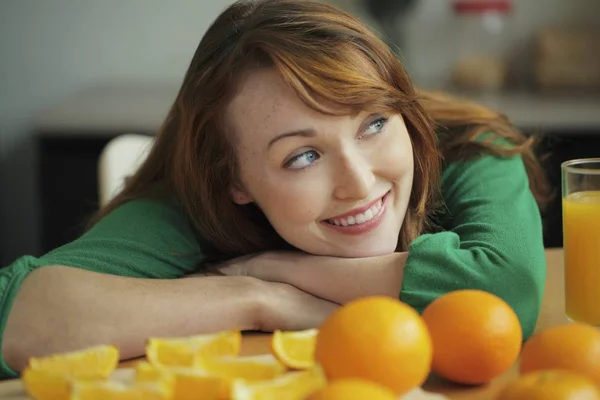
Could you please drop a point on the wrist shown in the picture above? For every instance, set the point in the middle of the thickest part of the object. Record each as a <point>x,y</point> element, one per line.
<point>255,302</point>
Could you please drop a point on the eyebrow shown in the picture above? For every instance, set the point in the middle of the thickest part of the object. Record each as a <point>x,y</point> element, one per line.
<point>302,132</point>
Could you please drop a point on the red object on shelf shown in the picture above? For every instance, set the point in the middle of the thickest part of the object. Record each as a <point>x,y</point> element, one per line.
<point>482,6</point>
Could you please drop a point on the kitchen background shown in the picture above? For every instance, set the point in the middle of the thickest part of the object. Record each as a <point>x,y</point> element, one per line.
<point>74,74</point>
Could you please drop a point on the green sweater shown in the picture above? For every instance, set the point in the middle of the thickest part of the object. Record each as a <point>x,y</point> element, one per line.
<point>491,240</point>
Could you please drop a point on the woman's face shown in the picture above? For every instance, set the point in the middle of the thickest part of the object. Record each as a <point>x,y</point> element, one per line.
<point>329,185</point>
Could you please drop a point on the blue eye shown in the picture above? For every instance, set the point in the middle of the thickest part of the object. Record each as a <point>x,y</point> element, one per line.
<point>375,127</point>
<point>302,160</point>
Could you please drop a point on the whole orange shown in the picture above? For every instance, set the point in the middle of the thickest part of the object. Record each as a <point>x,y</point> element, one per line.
<point>574,347</point>
<point>476,336</point>
<point>550,384</point>
<point>353,389</point>
<point>379,339</point>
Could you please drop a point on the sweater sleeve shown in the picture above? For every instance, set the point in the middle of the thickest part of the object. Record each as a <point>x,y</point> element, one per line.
<point>493,240</point>
<point>142,238</point>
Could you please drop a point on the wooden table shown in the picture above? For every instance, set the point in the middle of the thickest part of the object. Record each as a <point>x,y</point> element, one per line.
<point>552,313</point>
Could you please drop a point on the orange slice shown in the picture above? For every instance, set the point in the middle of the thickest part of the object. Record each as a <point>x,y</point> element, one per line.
<point>94,362</point>
<point>182,351</point>
<point>41,384</point>
<point>295,385</point>
<point>295,349</point>
<point>248,367</point>
<point>108,390</point>
<point>187,383</point>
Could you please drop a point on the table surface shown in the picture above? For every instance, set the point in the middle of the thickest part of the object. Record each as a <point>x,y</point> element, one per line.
<point>552,313</point>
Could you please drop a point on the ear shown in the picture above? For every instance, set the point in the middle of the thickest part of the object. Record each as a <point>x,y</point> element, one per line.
<point>239,196</point>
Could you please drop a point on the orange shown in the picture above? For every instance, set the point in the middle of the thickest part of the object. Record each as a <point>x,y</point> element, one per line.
<point>476,336</point>
<point>295,349</point>
<point>295,385</point>
<point>94,362</point>
<point>118,391</point>
<point>249,368</point>
<point>182,352</point>
<point>574,347</point>
<point>46,385</point>
<point>252,368</point>
<point>353,389</point>
<point>379,339</point>
<point>550,384</point>
<point>185,382</point>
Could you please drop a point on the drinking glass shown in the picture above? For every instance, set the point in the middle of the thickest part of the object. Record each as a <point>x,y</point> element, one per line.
<point>581,238</point>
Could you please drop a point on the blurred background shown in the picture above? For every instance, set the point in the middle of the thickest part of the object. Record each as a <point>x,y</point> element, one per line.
<point>76,73</point>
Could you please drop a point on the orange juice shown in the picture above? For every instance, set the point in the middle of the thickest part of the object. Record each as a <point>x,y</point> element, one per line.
<point>581,227</point>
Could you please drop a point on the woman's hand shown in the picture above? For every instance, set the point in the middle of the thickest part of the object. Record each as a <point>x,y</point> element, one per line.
<point>336,279</point>
<point>285,307</point>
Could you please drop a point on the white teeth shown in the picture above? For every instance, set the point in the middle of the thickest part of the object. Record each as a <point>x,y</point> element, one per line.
<point>359,218</point>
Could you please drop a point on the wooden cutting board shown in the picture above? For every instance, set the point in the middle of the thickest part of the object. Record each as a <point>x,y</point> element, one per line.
<point>13,390</point>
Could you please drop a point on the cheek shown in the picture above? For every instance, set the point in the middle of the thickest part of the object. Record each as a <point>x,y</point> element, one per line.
<point>395,156</point>
<point>292,201</point>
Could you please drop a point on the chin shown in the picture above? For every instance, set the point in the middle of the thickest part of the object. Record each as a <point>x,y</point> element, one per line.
<point>356,251</point>
<point>370,252</point>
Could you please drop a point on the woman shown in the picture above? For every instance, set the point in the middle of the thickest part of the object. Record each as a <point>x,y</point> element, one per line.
<point>299,161</point>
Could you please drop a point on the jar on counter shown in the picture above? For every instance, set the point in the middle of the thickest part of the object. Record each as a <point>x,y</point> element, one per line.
<point>481,29</point>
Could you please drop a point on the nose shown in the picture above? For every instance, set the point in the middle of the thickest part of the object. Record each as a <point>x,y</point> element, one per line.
<point>354,178</point>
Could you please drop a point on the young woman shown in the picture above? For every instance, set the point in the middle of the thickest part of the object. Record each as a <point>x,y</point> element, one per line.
<point>297,169</point>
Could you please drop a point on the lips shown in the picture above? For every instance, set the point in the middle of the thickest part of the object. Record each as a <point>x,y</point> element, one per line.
<point>359,216</point>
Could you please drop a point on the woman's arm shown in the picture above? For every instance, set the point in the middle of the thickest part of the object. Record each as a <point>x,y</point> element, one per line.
<point>116,285</point>
<point>336,279</point>
<point>60,309</point>
<point>492,240</point>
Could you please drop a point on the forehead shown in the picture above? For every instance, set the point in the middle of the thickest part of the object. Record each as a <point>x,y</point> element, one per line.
<point>264,104</point>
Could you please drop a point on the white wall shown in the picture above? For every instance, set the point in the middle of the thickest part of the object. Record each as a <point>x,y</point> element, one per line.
<point>50,49</point>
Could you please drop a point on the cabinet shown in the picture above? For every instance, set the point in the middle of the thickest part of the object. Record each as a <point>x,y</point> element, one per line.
<point>72,136</point>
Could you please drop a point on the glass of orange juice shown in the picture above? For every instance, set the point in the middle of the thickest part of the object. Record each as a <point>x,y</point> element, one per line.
<point>581,238</point>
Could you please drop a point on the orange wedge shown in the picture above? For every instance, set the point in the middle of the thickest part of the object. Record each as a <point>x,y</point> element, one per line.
<point>108,390</point>
<point>187,383</point>
<point>94,362</point>
<point>295,349</point>
<point>248,367</point>
<point>46,385</point>
<point>181,352</point>
<point>295,385</point>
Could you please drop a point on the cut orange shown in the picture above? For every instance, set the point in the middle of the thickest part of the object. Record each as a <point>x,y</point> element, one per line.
<point>295,385</point>
<point>46,385</point>
<point>148,373</point>
<point>118,391</point>
<point>94,362</point>
<point>295,349</point>
<point>181,352</point>
<point>248,367</point>
<point>187,383</point>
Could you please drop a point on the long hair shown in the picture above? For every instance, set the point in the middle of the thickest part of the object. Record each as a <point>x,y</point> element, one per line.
<point>327,57</point>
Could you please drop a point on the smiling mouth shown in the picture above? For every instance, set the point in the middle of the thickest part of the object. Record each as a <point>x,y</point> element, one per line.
<point>360,218</point>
